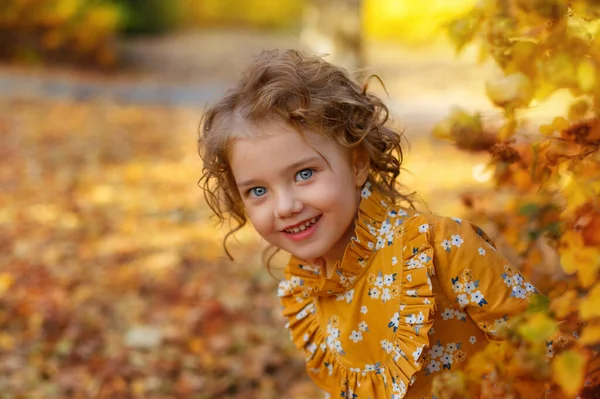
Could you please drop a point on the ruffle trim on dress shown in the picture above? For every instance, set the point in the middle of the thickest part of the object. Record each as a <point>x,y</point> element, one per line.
<point>411,324</point>
<point>418,303</point>
<point>372,211</point>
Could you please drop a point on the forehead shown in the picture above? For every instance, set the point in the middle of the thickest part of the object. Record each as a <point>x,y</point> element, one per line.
<point>267,141</point>
<point>273,146</point>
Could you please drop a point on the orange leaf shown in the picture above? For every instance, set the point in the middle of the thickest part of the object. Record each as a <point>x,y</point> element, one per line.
<point>591,231</point>
<point>568,370</point>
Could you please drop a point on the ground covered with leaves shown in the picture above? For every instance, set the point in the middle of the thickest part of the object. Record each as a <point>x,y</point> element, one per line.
<point>113,282</point>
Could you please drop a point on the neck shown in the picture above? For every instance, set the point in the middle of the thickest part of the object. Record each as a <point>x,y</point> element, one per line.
<point>328,262</point>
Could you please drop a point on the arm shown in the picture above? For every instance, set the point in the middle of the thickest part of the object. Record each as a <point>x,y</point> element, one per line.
<point>482,282</point>
<point>477,277</point>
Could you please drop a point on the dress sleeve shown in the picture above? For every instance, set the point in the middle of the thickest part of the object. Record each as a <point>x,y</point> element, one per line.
<point>477,277</point>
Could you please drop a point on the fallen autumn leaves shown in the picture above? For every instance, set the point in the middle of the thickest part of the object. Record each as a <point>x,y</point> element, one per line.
<point>113,282</point>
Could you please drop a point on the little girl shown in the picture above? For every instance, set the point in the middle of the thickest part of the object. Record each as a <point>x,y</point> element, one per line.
<point>379,297</point>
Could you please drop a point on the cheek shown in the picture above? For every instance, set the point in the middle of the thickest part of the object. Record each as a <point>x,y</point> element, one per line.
<point>340,194</point>
<point>259,217</point>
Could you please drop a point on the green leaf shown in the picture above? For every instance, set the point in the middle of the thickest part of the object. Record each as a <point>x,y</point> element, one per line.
<point>538,328</point>
<point>538,303</point>
<point>529,209</point>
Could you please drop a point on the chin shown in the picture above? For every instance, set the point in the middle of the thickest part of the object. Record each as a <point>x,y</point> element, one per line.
<point>308,256</point>
<point>304,256</point>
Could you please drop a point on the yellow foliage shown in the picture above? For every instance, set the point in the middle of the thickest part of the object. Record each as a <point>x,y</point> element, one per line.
<point>579,109</point>
<point>576,191</point>
<point>587,75</point>
<point>568,371</point>
<point>540,47</point>
<point>6,281</point>
<point>75,30</point>
<point>480,364</point>
<point>558,123</point>
<point>590,334</point>
<point>62,11</point>
<point>514,90</point>
<point>449,386</point>
<point>564,305</point>
<point>577,258</point>
<point>269,13</point>
<point>538,328</point>
<point>410,21</point>
<point>589,307</point>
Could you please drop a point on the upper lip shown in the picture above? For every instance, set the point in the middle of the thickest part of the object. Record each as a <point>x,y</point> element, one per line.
<point>291,226</point>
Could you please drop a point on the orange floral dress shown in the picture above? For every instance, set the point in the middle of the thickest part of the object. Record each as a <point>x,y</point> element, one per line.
<point>415,295</point>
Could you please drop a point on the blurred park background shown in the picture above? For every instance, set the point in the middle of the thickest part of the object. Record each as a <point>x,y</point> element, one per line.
<point>113,280</point>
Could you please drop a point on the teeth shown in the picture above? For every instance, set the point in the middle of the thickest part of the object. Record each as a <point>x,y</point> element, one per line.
<point>302,227</point>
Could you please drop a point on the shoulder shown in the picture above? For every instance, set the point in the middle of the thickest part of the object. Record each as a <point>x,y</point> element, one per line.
<point>444,227</point>
<point>415,223</point>
<point>444,235</point>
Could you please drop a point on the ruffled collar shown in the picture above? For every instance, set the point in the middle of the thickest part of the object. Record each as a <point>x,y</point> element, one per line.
<point>370,232</point>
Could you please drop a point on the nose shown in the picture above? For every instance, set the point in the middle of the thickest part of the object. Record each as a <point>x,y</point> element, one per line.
<point>287,205</point>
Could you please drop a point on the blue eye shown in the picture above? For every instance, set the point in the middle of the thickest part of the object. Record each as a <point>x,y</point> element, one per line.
<point>257,191</point>
<point>304,174</point>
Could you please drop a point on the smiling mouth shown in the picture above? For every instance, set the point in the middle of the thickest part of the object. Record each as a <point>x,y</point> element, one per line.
<point>299,228</point>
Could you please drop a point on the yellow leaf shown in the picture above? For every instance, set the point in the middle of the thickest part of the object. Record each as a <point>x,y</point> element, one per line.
<point>543,90</point>
<point>583,260</point>
<point>560,69</point>
<point>546,130</point>
<point>576,192</point>
<point>560,123</point>
<point>589,264</point>
<point>564,304</point>
<point>571,243</point>
<point>6,281</point>
<point>66,9</point>
<point>538,328</point>
<point>586,75</point>
<point>576,257</point>
<point>568,370</point>
<point>590,334</point>
<point>589,307</point>
<point>522,53</point>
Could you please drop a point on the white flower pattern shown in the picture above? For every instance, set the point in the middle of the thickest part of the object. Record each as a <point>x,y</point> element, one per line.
<point>397,292</point>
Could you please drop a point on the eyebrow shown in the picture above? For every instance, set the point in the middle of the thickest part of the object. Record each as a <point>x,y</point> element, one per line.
<point>295,165</point>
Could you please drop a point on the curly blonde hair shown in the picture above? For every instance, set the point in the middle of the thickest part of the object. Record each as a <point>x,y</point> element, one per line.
<point>308,94</point>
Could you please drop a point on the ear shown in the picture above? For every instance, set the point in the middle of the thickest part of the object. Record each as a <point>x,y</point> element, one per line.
<point>360,163</point>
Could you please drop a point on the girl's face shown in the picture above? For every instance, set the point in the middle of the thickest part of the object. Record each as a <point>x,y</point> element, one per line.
<point>292,197</point>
